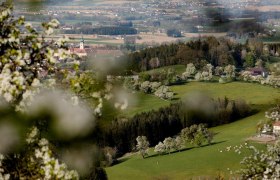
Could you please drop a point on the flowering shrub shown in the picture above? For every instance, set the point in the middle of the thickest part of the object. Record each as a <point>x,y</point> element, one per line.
<point>164,92</point>
<point>190,71</point>
<point>142,145</point>
<point>49,166</point>
<point>157,89</point>
<point>271,80</point>
<point>28,68</point>
<point>25,60</point>
<point>206,74</point>
<point>260,164</point>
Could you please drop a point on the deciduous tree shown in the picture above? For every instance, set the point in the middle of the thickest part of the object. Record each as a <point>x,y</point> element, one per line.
<point>142,145</point>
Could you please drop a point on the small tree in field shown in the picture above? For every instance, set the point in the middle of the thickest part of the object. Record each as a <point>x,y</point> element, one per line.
<point>179,143</point>
<point>169,144</point>
<point>199,139</point>
<point>142,145</point>
<point>160,148</point>
<point>190,71</point>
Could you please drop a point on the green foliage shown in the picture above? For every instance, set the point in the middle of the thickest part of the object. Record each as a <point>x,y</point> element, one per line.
<point>197,134</point>
<point>165,76</point>
<point>199,139</point>
<point>145,76</point>
<point>206,161</point>
<point>250,59</point>
<point>218,52</point>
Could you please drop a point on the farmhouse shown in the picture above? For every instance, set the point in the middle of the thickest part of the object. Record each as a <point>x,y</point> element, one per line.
<point>256,71</point>
<point>276,128</point>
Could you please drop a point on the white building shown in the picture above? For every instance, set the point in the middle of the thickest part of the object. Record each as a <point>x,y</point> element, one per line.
<point>276,128</point>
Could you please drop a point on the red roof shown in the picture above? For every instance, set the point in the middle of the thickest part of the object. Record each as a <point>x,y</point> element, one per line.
<point>276,123</point>
<point>77,50</point>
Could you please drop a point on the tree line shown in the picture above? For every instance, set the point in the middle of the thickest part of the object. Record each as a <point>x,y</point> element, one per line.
<point>156,125</point>
<point>114,30</point>
<point>218,52</point>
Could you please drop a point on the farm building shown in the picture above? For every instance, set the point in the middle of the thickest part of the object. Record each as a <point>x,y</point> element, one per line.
<point>276,128</point>
<point>256,71</point>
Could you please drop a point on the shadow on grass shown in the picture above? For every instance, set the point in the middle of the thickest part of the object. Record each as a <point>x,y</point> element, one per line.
<point>176,99</point>
<point>181,150</point>
<point>179,83</point>
<point>185,149</point>
<point>213,143</point>
<point>121,160</point>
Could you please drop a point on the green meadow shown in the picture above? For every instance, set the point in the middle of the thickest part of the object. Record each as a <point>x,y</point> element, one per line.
<point>252,93</point>
<point>206,162</point>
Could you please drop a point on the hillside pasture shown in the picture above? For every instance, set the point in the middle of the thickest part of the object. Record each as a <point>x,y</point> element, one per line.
<point>252,93</point>
<point>209,161</point>
<point>195,163</point>
<point>179,69</point>
<point>255,94</point>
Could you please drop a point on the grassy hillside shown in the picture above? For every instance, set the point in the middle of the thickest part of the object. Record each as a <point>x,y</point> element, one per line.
<point>252,93</point>
<point>207,161</point>
<point>179,69</point>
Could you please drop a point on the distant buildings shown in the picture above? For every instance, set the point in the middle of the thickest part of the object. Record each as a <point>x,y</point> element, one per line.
<point>81,51</point>
<point>256,71</point>
<point>276,128</point>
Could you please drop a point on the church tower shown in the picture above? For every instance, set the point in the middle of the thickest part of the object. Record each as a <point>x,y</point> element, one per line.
<point>82,43</point>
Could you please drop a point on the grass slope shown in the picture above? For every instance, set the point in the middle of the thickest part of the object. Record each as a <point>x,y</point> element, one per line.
<point>208,161</point>
<point>197,162</point>
<point>250,92</point>
<point>179,69</point>
<point>144,103</point>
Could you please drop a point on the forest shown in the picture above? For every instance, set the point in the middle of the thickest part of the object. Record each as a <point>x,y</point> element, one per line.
<point>116,30</point>
<point>218,52</point>
<point>169,121</point>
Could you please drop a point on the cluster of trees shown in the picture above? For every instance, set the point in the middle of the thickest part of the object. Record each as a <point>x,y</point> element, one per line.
<point>156,88</point>
<point>142,145</point>
<point>156,83</point>
<point>210,50</point>
<point>116,30</point>
<point>165,76</point>
<point>206,74</point>
<point>169,144</point>
<point>173,33</point>
<point>262,76</point>
<point>168,121</point>
<point>227,73</point>
<point>195,134</point>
